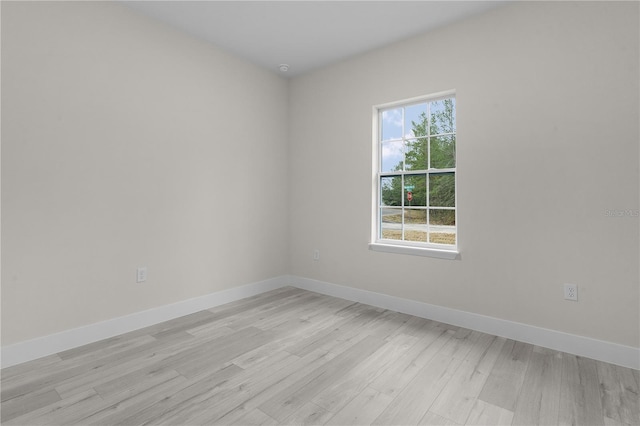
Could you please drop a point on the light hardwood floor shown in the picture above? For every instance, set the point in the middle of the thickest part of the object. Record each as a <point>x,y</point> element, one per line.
<point>295,357</point>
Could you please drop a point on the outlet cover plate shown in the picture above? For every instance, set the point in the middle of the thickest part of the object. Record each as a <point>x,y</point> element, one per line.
<point>571,292</point>
<point>141,274</point>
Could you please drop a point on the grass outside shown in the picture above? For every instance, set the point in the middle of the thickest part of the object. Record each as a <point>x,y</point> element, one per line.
<point>410,216</point>
<point>420,236</point>
<point>418,217</point>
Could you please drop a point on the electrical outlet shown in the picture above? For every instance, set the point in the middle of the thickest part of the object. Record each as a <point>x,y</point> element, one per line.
<point>316,254</point>
<point>571,292</point>
<point>141,274</point>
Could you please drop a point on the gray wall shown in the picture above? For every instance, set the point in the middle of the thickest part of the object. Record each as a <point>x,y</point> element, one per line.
<point>547,103</point>
<point>124,144</point>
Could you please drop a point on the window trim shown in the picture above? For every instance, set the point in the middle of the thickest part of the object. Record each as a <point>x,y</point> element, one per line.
<point>404,247</point>
<point>415,251</point>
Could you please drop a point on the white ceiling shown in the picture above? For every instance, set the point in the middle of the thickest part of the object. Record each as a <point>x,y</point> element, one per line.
<point>306,34</point>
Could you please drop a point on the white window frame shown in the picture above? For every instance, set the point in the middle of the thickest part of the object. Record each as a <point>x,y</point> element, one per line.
<point>442,251</point>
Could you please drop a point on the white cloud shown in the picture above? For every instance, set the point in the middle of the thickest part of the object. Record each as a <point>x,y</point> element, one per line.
<point>392,116</point>
<point>393,149</point>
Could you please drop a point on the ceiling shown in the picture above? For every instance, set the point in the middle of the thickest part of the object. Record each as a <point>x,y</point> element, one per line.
<point>306,34</point>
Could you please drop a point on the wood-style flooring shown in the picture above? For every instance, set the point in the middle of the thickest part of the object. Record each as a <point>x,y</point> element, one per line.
<point>295,357</point>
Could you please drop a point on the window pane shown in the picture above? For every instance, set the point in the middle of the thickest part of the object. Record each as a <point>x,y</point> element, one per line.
<point>391,191</point>
<point>391,216</point>
<point>416,154</point>
<point>441,217</point>
<point>391,223</point>
<point>415,120</point>
<point>442,190</point>
<point>392,153</point>
<point>443,116</point>
<point>415,225</point>
<point>415,190</point>
<point>391,124</point>
<point>442,237</point>
<point>443,152</point>
<point>391,234</point>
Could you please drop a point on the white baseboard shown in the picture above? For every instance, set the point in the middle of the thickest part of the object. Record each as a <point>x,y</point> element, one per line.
<point>58,342</point>
<point>613,353</point>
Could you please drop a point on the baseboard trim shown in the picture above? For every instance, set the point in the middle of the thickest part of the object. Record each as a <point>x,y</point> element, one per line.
<point>69,339</point>
<point>613,353</point>
<point>625,356</point>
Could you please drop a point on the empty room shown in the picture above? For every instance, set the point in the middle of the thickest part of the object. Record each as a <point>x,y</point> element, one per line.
<point>320,212</point>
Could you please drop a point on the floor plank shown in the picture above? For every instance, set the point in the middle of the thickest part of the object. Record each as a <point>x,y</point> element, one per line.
<point>65,411</point>
<point>255,417</point>
<point>19,371</point>
<point>580,402</point>
<point>363,409</point>
<point>458,397</point>
<point>26,403</point>
<point>431,419</point>
<point>620,396</point>
<point>505,380</point>
<point>539,400</point>
<point>309,414</point>
<point>486,414</point>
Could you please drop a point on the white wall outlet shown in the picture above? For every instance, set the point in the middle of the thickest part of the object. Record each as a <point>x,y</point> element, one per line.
<point>141,274</point>
<point>571,292</point>
<point>316,254</point>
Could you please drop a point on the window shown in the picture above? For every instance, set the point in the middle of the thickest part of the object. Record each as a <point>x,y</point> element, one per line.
<point>415,179</point>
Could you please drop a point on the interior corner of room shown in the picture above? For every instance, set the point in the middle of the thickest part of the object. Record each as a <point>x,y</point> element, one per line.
<point>148,174</point>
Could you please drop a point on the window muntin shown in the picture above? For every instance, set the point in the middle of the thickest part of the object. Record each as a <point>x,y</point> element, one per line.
<point>416,173</point>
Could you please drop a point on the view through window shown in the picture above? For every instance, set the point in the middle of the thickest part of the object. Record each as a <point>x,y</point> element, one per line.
<point>416,179</point>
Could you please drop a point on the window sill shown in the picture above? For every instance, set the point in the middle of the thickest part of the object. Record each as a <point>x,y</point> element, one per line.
<point>415,251</point>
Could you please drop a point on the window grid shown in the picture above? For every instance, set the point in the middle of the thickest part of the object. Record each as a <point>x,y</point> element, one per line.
<point>435,235</point>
